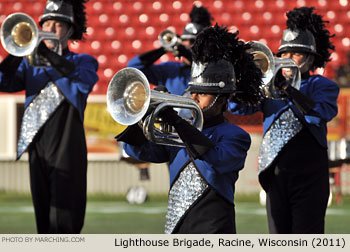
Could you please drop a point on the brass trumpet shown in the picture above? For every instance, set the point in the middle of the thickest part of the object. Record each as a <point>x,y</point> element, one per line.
<point>169,40</point>
<point>20,37</point>
<point>271,66</point>
<point>130,99</point>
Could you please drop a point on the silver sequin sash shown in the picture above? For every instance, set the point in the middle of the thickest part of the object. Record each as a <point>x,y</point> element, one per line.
<point>36,114</point>
<point>184,192</point>
<point>280,132</point>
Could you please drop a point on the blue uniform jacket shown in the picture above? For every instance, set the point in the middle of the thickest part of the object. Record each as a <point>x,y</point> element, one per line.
<point>75,88</point>
<point>320,89</point>
<point>219,166</point>
<point>173,75</point>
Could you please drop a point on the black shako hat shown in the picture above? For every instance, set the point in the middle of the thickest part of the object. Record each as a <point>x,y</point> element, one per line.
<point>200,19</point>
<point>222,65</point>
<point>306,32</point>
<point>70,11</point>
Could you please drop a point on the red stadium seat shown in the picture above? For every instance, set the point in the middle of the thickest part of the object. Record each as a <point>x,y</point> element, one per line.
<point>338,4</point>
<point>155,7</point>
<point>217,7</point>
<point>102,60</point>
<point>123,20</point>
<point>343,16</point>
<point>247,17</point>
<point>101,86</point>
<point>331,16</point>
<point>143,19</point>
<point>15,7</point>
<point>255,32</point>
<point>260,5</point>
<point>36,8</point>
<point>163,19</point>
<point>255,6</point>
<point>117,7</point>
<point>322,4</point>
<point>115,46</point>
<point>97,7</point>
<point>274,44</point>
<point>177,7</point>
<point>138,7</point>
<point>110,33</point>
<point>267,17</point>
<point>225,19</point>
<point>279,5</point>
<point>147,33</point>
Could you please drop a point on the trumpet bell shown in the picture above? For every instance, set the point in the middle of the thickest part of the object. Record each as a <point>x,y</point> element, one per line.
<point>19,34</point>
<point>271,66</point>
<point>20,37</point>
<point>128,96</point>
<point>168,40</point>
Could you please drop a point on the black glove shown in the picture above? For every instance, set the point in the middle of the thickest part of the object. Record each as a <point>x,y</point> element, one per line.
<point>60,63</point>
<point>148,58</point>
<point>132,135</point>
<point>280,81</point>
<point>181,50</point>
<point>195,141</point>
<point>10,64</point>
<point>303,103</point>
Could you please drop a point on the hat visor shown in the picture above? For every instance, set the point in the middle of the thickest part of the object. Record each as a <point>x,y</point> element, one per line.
<point>53,16</point>
<point>188,36</point>
<point>295,49</point>
<point>207,90</point>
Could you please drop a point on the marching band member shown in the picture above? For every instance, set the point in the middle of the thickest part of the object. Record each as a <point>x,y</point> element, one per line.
<point>174,75</point>
<point>293,159</point>
<point>52,125</point>
<point>203,174</point>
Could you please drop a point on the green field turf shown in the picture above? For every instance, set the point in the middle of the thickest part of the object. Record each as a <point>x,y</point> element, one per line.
<point>113,215</point>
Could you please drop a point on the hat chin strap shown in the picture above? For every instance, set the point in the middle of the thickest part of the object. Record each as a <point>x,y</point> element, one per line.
<point>305,66</point>
<point>68,34</point>
<point>211,104</point>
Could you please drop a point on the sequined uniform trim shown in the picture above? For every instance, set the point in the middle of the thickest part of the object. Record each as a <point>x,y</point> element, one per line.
<point>205,84</point>
<point>185,191</point>
<point>279,134</point>
<point>36,114</point>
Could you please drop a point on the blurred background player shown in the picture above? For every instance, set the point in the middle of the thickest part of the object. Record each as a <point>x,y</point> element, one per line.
<point>174,75</point>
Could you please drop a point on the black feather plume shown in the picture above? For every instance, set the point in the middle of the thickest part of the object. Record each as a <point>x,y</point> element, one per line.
<point>79,18</point>
<point>215,43</point>
<point>201,16</point>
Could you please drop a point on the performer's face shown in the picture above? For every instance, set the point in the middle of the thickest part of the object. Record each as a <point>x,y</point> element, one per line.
<point>203,100</point>
<point>188,43</point>
<point>60,29</point>
<point>303,60</point>
<point>298,57</point>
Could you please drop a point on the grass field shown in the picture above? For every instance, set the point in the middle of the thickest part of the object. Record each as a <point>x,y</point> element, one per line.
<point>113,215</point>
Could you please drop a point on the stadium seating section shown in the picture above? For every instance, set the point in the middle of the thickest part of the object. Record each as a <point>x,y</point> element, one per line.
<point>118,30</point>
